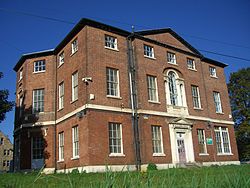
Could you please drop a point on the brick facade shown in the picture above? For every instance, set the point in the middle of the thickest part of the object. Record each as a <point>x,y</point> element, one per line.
<point>94,110</point>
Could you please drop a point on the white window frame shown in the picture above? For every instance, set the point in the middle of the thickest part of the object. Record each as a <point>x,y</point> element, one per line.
<point>20,105</point>
<point>173,89</point>
<point>157,140</point>
<point>148,51</point>
<point>61,58</point>
<point>21,74</point>
<point>61,146</point>
<point>171,58</point>
<point>75,142</point>
<point>113,85</point>
<point>191,64</point>
<point>74,82</point>
<point>212,72</point>
<point>115,143</point>
<point>179,87</point>
<point>74,46</point>
<point>202,140</point>
<point>110,42</point>
<point>152,88</point>
<point>221,139</point>
<point>61,95</point>
<point>217,102</point>
<point>196,97</point>
<point>39,66</point>
<point>38,104</point>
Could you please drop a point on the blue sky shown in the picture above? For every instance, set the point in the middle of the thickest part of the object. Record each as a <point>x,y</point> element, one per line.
<point>223,23</point>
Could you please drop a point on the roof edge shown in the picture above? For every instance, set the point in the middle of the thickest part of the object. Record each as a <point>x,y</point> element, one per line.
<point>214,62</point>
<point>32,55</point>
<point>172,32</point>
<point>86,21</point>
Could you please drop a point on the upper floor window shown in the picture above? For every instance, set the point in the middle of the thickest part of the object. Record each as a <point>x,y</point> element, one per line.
<point>21,74</point>
<point>171,58</point>
<point>157,140</point>
<point>74,46</point>
<point>196,96</point>
<point>38,100</point>
<point>152,88</point>
<point>173,89</point>
<point>20,105</point>
<point>61,146</point>
<point>5,152</point>
<point>217,102</point>
<point>39,66</point>
<point>115,138</point>
<point>74,86</point>
<point>112,82</point>
<point>190,64</point>
<point>202,141</point>
<point>75,141</point>
<point>110,42</point>
<point>61,58</point>
<point>212,71</point>
<point>1,141</point>
<point>61,95</point>
<point>222,140</point>
<point>148,51</point>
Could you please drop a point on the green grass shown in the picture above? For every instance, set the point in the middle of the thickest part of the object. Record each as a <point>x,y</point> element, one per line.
<point>214,177</point>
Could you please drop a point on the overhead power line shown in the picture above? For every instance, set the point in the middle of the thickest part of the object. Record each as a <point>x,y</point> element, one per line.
<point>216,41</point>
<point>225,55</point>
<point>73,23</point>
<point>37,16</point>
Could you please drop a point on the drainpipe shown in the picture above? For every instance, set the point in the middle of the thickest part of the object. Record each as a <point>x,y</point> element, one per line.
<point>55,110</point>
<point>133,96</point>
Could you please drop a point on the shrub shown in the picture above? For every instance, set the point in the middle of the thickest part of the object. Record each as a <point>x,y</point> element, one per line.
<point>151,166</point>
<point>75,171</point>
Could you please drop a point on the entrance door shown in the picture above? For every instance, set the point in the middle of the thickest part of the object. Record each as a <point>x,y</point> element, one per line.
<point>181,147</point>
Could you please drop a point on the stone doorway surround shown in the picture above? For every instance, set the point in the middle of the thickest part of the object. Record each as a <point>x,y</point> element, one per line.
<point>184,127</point>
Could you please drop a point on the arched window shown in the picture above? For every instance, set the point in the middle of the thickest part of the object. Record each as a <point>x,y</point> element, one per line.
<point>172,88</point>
<point>181,92</point>
<point>175,92</point>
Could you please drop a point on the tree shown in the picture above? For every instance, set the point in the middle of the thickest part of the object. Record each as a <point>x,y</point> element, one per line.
<point>239,93</point>
<point>5,105</point>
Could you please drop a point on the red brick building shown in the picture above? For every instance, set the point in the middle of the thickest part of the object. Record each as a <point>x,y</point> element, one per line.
<point>105,96</point>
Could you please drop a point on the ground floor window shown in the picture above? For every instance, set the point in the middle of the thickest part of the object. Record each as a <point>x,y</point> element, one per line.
<point>222,140</point>
<point>202,141</point>
<point>157,139</point>
<point>75,141</point>
<point>61,146</point>
<point>37,148</point>
<point>115,138</point>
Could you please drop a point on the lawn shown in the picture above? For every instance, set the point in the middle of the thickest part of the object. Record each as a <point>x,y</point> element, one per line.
<point>215,177</point>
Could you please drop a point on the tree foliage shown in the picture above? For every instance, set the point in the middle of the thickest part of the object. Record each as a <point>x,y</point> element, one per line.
<point>5,105</point>
<point>239,93</point>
